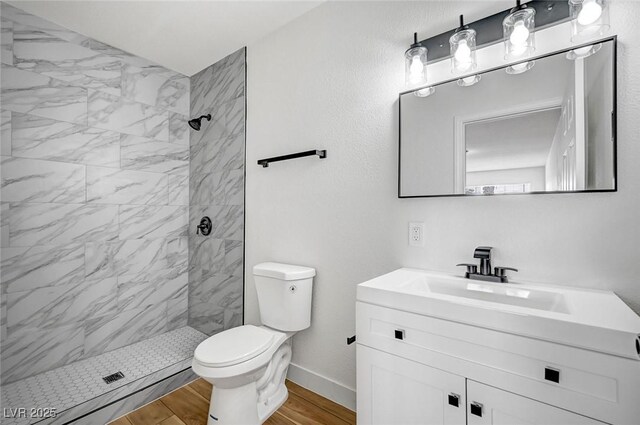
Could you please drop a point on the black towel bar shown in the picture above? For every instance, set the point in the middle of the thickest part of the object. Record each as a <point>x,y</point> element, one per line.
<point>265,162</point>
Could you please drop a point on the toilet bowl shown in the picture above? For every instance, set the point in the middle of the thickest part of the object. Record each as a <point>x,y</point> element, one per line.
<point>247,365</point>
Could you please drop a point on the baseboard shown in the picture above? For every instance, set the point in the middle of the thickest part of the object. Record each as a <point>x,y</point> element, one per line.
<point>322,385</point>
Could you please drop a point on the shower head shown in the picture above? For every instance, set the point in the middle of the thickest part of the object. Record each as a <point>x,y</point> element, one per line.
<point>195,123</point>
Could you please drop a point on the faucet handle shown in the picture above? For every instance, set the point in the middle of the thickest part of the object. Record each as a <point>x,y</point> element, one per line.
<point>471,268</point>
<point>502,271</point>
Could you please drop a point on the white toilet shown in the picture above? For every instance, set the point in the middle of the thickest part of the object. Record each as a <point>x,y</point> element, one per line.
<point>247,365</point>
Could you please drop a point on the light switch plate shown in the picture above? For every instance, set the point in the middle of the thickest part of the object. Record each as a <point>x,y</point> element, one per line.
<point>416,233</point>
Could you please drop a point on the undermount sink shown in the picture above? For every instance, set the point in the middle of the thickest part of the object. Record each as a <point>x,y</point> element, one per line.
<point>497,293</point>
<point>590,319</point>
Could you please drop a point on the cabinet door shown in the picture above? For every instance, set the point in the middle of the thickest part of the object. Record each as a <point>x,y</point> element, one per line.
<point>490,405</point>
<point>392,390</point>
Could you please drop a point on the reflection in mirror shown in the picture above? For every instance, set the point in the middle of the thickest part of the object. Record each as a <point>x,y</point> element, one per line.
<point>546,129</point>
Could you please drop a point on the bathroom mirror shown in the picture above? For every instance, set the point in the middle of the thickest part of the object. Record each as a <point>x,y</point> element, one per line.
<point>544,126</point>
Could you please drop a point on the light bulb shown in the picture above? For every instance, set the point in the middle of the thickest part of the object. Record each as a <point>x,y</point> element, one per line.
<point>589,13</point>
<point>520,34</point>
<point>463,52</point>
<point>416,66</point>
<point>519,66</point>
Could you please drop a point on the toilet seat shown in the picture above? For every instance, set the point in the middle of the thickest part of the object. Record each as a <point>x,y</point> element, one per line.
<point>233,346</point>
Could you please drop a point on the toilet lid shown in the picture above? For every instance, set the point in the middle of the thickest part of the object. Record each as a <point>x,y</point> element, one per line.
<point>233,346</point>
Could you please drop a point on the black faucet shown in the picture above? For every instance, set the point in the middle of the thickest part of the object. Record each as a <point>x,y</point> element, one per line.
<point>484,254</point>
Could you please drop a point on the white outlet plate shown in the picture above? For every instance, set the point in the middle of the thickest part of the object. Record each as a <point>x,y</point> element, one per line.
<point>416,233</point>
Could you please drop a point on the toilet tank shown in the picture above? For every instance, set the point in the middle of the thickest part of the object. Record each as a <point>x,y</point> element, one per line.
<point>284,295</point>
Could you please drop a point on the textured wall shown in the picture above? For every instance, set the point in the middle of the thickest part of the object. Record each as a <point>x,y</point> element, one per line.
<point>95,170</point>
<point>216,186</point>
<point>330,80</point>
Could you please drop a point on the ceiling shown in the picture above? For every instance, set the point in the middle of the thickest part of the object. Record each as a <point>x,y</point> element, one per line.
<point>185,36</point>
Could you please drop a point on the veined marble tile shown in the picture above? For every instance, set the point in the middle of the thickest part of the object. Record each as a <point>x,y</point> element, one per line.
<point>38,51</point>
<point>228,188</point>
<point>227,121</point>
<point>218,155</point>
<point>29,353</point>
<point>227,220</point>
<point>34,180</point>
<point>206,255</point>
<point>43,138</point>
<point>233,316</point>
<point>178,311</point>
<point>98,260</point>
<point>156,86</point>
<point>178,252</point>
<point>127,327</point>
<point>140,255</point>
<point>158,287</point>
<point>144,154</point>
<point>3,315</point>
<point>20,16</point>
<point>179,128</point>
<point>152,222</point>
<point>4,224</point>
<point>126,116</point>
<point>25,269</point>
<point>58,306</point>
<point>234,257</point>
<point>114,186</point>
<point>178,185</point>
<point>219,83</point>
<point>55,224</point>
<point>6,44</point>
<point>200,188</point>
<point>28,92</point>
<point>206,319</point>
<point>125,257</point>
<point>5,142</point>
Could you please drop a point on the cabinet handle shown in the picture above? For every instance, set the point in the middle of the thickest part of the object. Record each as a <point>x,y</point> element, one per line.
<point>551,374</point>
<point>476,408</point>
<point>454,400</point>
<point>399,333</point>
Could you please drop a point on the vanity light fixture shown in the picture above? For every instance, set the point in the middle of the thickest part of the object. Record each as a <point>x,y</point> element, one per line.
<point>469,81</point>
<point>520,68</point>
<point>427,91</point>
<point>415,63</point>
<point>463,48</point>
<point>589,18</point>
<point>518,30</point>
<point>583,52</point>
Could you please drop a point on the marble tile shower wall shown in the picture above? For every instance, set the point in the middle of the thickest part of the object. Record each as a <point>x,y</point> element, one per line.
<point>217,190</point>
<point>94,197</point>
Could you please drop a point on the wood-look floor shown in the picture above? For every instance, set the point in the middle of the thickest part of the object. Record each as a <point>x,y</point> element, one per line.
<point>189,405</point>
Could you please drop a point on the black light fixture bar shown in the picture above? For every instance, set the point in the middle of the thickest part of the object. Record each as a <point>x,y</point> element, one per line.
<point>489,29</point>
<point>265,162</point>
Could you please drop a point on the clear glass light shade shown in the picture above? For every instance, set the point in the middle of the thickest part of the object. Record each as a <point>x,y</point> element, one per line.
<point>427,91</point>
<point>415,66</point>
<point>468,81</point>
<point>589,18</point>
<point>519,33</point>
<point>520,68</point>
<point>583,52</point>
<point>463,51</point>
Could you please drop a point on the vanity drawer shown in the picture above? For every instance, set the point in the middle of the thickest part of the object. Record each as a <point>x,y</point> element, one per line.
<point>594,384</point>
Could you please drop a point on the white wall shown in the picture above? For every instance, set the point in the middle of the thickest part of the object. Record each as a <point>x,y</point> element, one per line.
<point>331,80</point>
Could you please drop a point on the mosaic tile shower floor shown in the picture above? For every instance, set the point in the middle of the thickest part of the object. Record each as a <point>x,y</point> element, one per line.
<point>81,381</point>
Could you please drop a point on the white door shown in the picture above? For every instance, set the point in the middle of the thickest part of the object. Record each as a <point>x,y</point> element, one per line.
<point>490,405</point>
<point>392,390</point>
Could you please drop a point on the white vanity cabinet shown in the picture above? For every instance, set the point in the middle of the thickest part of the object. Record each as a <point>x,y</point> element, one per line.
<point>392,390</point>
<point>411,368</point>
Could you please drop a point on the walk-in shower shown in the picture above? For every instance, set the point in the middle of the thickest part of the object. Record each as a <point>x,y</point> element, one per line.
<point>106,288</point>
